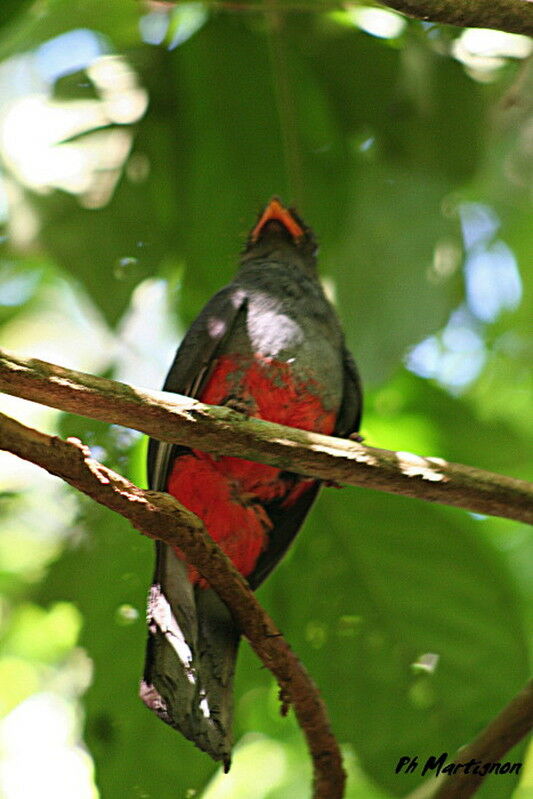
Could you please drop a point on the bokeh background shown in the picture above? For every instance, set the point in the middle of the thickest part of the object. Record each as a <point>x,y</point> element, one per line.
<point>137,143</point>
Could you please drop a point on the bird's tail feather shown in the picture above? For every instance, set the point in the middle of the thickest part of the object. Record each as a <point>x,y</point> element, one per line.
<point>190,657</point>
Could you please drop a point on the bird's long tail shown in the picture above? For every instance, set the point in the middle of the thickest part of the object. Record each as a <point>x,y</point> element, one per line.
<point>190,657</point>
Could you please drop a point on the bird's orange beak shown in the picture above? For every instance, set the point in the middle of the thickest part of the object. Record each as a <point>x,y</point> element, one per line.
<point>276,211</point>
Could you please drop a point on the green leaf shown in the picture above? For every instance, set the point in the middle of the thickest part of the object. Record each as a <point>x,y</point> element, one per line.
<point>377,581</point>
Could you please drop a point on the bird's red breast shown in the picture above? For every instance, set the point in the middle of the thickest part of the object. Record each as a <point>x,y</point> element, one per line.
<point>226,492</point>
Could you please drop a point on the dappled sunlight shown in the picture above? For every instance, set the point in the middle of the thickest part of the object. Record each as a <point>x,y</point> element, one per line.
<point>479,224</point>
<point>45,142</point>
<point>68,52</point>
<point>455,357</point>
<point>42,676</point>
<point>246,780</point>
<point>146,350</point>
<point>484,52</point>
<point>40,635</point>
<point>426,663</point>
<point>457,354</point>
<point>62,326</point>
<point>493,282</point>
<point>39,513</point>
<point>17,285</point>
<point>172,26</point>
<point>40,740</point>
<point>33,525</point>
<point>380,22</point>
<point>447,259</point>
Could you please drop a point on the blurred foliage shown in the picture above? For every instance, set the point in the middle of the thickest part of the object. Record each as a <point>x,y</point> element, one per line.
<point>382,143</point>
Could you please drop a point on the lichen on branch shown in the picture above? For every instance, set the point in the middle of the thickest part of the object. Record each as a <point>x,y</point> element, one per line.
<point>182,420</point>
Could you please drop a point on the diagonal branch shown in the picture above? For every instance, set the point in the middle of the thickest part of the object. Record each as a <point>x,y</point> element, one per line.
<point>181,420</point>
<point>476,760</point>
<point>160,516</point>
<point>512,724</point>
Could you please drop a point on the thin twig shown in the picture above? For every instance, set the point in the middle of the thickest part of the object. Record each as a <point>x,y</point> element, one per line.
<point>471,761</point>
<point>181,420</point>
<point>160,516</point>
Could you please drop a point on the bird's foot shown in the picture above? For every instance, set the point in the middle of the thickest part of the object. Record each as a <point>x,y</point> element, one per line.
<point>285,700</point>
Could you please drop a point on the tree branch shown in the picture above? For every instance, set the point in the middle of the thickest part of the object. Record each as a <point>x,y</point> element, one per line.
<point>181,420</point>
<point>501,734</point>
<point>160,516</point>
<point>512,724</point>
<point>513,16</point>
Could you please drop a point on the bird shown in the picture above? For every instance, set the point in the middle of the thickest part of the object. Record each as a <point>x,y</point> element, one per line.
<point>270,345</point>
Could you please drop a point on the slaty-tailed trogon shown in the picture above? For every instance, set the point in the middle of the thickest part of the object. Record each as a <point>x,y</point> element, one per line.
<point>268,344</point>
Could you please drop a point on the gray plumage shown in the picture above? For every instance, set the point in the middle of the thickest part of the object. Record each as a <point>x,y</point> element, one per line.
<point>275,309</point>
